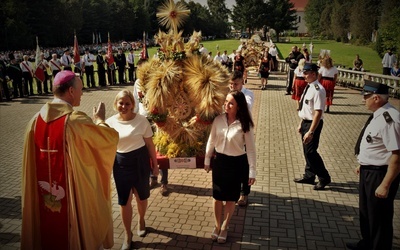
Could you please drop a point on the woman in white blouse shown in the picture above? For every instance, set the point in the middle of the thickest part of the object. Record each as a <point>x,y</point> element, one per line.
<point>230,132</point>
<point>132,166</point>
<point>327,76</point>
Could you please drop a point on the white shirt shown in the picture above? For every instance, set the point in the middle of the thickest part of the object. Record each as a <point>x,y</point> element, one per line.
<point>203,51</point>
<point>388,60</point>
<point>314,99</point>
<point>249,97</point>
<point>26,66</point>
<point>139,107</point>
<point>130,58</point>
<point>53,64</point>
<point>218,58</point>
<point>298,72</point>
<point>88,57</point>
<point>273,51</point>
<point>224,58</point>
<point>64,60</point>
<point>131,133</point>
<point>384,138</point>
<point>230,140</point>
<point>328,72</point>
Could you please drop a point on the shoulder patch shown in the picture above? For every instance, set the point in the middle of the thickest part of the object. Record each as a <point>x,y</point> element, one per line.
<point>387,117</point>
<point>316,86</point>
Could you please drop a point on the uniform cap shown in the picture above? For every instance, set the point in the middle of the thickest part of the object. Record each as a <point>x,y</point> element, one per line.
<point>63,77</point>
<point>371,87</point>
<point>310,67</point>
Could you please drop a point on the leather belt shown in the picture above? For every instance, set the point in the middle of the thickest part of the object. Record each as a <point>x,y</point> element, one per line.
<point>307,121</point>
<point>372,167</point>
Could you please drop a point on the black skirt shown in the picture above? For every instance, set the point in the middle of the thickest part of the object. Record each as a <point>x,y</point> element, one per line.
<point>226,176</point>
<point>132,170</point>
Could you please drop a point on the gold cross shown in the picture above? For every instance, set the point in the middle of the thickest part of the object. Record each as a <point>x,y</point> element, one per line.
<point>49,161</point>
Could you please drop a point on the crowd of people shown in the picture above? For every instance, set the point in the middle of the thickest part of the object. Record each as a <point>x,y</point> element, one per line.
<point>18,69</point>
<point>127,149</point>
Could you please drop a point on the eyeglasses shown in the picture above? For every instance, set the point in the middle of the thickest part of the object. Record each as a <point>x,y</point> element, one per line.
<point>366,97</point>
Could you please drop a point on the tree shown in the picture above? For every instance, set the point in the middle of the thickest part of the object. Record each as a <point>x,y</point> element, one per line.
<point>389,32</point>
<point>340,23</point>
<point>248,15</point>
<point>220,15</point>
<point>312,15</point>
<point>325,22</point>
<point>14,20</point>
<point>280,16</point>
<point>364,19</point>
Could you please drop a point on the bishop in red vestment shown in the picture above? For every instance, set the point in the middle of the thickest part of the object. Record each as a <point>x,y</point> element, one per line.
<point>66,174</point>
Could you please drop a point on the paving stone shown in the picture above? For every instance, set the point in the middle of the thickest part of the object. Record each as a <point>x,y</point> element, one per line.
<point>281,214</point>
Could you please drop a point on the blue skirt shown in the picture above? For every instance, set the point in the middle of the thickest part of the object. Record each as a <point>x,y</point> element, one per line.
<point>132,170</point>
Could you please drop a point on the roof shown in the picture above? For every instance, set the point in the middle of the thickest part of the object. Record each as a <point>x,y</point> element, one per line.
<point>299,5</point>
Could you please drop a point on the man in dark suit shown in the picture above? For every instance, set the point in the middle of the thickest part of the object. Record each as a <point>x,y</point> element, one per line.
<point>120,61</point>
<point>101,71</point>
<point>293,59</point>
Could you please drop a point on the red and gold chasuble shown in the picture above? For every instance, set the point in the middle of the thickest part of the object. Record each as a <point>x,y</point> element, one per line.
<point>52,182</point>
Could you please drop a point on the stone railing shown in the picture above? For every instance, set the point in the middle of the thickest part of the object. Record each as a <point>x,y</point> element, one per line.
<point>355,79</point>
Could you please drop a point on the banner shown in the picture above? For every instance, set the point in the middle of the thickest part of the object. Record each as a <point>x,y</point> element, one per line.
<point>77,57</point>
<point>110,57</point>
<point>144,54</point>
<point>39,72</point>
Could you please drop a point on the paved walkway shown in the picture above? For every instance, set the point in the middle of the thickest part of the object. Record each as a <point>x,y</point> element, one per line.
<point>281,214</point>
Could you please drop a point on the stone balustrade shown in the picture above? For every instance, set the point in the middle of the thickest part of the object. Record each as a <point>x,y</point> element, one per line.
<point>355,79</point>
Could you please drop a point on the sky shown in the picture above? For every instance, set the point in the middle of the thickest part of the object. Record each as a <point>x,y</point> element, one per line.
<point>229,3</point>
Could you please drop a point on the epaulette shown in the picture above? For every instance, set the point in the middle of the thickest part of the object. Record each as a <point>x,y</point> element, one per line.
<point>316,86</point>
<point>387,117</point>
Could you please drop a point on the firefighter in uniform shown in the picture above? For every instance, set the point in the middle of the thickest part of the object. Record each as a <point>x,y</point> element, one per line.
<point>378,150</point>
<point>311,109</point>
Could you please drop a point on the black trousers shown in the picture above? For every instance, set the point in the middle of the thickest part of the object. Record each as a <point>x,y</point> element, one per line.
<point>17,86</point>
<point>131,71</point>
<point>290,81</point>
<point>101,72</point>
<point>245,180</point>
<point>386,71</point>
<point>89,71</point>
<point>28,82</point>
<point>45,83</point>
<point>5,90</point>
<point>314,163</point>
<point>121,74</point>
<point>376,214</point>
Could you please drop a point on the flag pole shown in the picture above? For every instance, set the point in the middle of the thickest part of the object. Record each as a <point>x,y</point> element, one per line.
<point>111,70</point>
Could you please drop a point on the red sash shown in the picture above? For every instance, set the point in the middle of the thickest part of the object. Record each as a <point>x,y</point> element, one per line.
<point>55,65</point>
<point>52,186</point>
<point>27,68</point>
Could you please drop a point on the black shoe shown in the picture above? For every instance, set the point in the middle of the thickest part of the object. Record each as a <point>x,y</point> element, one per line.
<point>322,184</point>
<point>305,180</point>
<point>354,246</point>
<point>287,93</point>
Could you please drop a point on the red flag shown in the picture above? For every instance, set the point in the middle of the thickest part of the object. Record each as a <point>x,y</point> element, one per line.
<point>144,54</point>
<point>39,72</point>
<point>110,56</point>
<point>77,57</point>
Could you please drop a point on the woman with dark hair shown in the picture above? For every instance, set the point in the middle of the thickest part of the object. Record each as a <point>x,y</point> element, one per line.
<point>230,132</point>
<point>264,68</point>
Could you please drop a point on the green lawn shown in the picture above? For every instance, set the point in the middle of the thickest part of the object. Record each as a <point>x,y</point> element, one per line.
<point>342,54</point>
